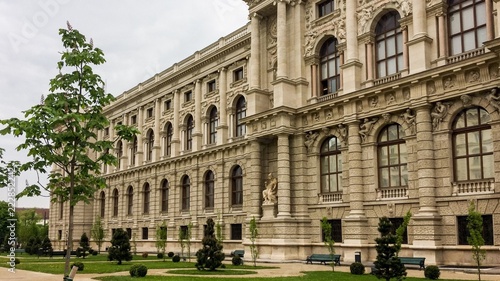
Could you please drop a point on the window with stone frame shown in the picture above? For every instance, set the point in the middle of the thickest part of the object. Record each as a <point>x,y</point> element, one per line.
<point>133,119</point>
<point>237,186</point>
<point>236,231</point>
<point>146,197</point>
<point>149,112</point>
<point>170,134</point>
<point>329,67</point>
<point>59,234</point>
<point>185,193</point>
<point>115,202</point>
<point>331,165</point>
<point>102,204</point>
<point>130,200</point>
<point>129,232</point>
<point>150,142</point>
<point>212,126</point>
<point>211,86</point>
<point>209,191</point>
<point>336,230</point>
<point>167,105</point>
<point>164,196</point>
<point>466,25</point>
<point>119,153</point>
<point>472,145</point>
<point>238,74</point>
<point>463,232</point>
<point>392,157</point>
<point>183,231</point>
<point>389,45</point>
<point>189,132</point>
<point>241,112</point>
<point>188,96</point>
<point>145,233</point>
<point>134,151</point>
<point>326,7</point>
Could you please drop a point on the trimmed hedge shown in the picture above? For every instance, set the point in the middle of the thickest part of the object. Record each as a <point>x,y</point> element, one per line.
<point>138,270</point>
<point>357,268</point>
<point>432,272</point>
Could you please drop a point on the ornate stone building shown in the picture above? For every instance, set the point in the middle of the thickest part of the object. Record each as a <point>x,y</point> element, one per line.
<point>357,109</point>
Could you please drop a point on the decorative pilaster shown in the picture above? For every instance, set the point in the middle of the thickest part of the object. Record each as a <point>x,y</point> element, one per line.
<point>282,71</point>
<point>352,68</point>
<point>419,46</point>
<point>222,128</point>
<point>175,124</point>
<point>283,176</point>
<point>197,141</point>
<point>255,175</point>
<point>254,63</point>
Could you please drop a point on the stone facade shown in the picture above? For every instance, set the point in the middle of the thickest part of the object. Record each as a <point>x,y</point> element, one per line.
<point>278,105</point>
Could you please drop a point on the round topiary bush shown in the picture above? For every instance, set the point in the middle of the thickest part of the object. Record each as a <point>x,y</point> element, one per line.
<point>176,258</point>
<point>170,254</point>
<point>159,255</point>
<point>432,272</point>
<point>79,264</point>
<point>145,254</point>
<point>237,260</point>
<point>357,268</point>
<point>94,253</point>
<point>138,270</point>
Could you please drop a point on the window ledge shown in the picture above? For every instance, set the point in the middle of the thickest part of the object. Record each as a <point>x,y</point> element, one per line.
<point>389,193</point>
<point>324,198</point>
<point>485,186</point>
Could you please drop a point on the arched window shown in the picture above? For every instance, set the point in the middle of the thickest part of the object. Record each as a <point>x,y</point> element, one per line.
<point>170,135</point>
<point>331,166</point>
<point>389,45</point>
<point>115,202</point>
<point>466,25</point>
<point>189,132</point>
<point>212,126</point>
<point>164,196</point>
<point>134,151</point>
<point>145,198</point>
<point>237,187</point>
<point>209,190</point>
<point>102,204</point>
<point>119,152</point>
<point>329,67</point>
<point>392,157</point>
<point>241,112</point>
<point>185,193</point>
<point>150,145</point>
<point>473,145</point>
<point>130,200</point>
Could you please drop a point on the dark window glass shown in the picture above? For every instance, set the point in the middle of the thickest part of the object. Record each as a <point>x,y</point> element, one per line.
<point>213,126</point>
<point>129,233</point>
<point>473,145</point>
<point>133,119</point>
<point>145,233</point>
<point>211,86</point>
<point>241,112</point>
<point>164,196</point>
<point>329,67</point>
<point>392,157</point>
<point>186,186</point>
<point>134,151</point>
<point>115,202</point>
<point>236,233</point>
<point>396,222</point>
<point>463,232</point>
<point>119,153</point>
<point>326,7</point>
<point>149,112</point>
<point>168,104</point>
<point>146,198</point>
<point>130,200</point>
<point>466,25</point>
<point>209,190</point>
<point>188,96</point>
<point>150,144</point>
<point>189,133</point>
<point>238,74</point>
<point>389,45</point>
<point>170,135</point>
<point>102,199</point>
<point>59,234</point>
<point>237,186</point>
<point>336,230</point>
<point>331,166</point>
<point>184,231</point>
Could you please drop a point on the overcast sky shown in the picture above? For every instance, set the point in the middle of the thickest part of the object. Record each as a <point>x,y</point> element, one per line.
<point>139,39</point>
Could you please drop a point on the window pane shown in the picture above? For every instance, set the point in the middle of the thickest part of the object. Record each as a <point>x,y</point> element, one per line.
<point>475,168</point>
<point>324,184</point>
<point>333,164</point>
<point>391,46</point>
<point>460,123</point>
<point>473,142</point>
<point>381,69</point>
<point>480,14</point>
<point>404,175</point>
<point>472,118</point>
<point>481,36</point>
<point>333,183</point>
<point>484,116</point>
<point>403,154</point>
<point>454,23</point>
<point>469,41</point>
<point>384,177</point>
<point>488,166</point>
<point>331,67</point>
<point>395,180</point>
<point>468,16</point>
<point>339,163</point>
<point>393,132</point>
<point>400,63</point>
<point>324,71</point>
<point>383,156</point>
<point>391,66</point>
<point>399,42</point>
<point>381,50</point>
<point>461,169</point>
<point>324,165</point>
<point>339,180</point>
<point>456,45</point>
<point>393,155</point>
<point>487,141</point>
<point>460,145</point>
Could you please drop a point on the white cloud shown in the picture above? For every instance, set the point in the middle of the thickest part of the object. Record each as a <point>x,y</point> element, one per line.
<point>139,39</point>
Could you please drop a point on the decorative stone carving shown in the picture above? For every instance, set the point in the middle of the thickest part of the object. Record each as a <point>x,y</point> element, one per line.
<point>494,99</point>
<point>448,82</point>
<point>366,127</point>
<point>473,76</point>
<point>310,138</point>
<point>493,71</point>
<point>438,113</point>
<point>363,17</point>
<point>390,99</point>
<point>342,133</point>
<point>328,114</point>
<point>409,119</point>
<point>252,3</point>
<point>374,101</point>
<point>406,93</point>
<point>466,100</point>
<point>386,117</point>
<point>404,5</point>
<point>270,190</point>
<point>272,28</point>
<point>431,88</point>
<point>337,27</point>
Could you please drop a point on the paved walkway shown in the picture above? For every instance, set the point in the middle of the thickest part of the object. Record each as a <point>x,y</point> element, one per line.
<point>284,269</point>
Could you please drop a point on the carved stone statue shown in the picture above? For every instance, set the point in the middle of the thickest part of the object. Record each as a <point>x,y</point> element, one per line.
<point>270,190</point>
<point>409,118</point>
<point>438,114</point>
<point>494,99</point>
<point>366,127</point>
<point>310,138</point>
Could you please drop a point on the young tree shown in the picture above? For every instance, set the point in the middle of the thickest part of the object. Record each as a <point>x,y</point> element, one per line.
<point>254,233</point>
<point>401,230</point>
<point>120,247</point>
<point>182,239</point>
<point>387,265</point>
<point>28,226</point>
<point>188,240</point>
<point>475,237</point>
<point>161,238</point>
<point>326,227</point>
<point>84,245</point>
<point>97,233</point>
<point>210,256</point>
<point>47,247</point>
<point>61,131</point>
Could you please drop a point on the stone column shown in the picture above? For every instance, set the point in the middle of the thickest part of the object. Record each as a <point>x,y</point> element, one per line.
<point>157,143</point>
<point>427,222</point>
<point>443,50</point>
<point>175,125</point>
<point>420,45</point>
<point>490,28</point>
<point>496,6</point>
<point>352,68</point>
<point>282,71</point>
<point>256,184</point>
<point>419,18</point>
<point>197,141</point>
<point>314,80</point>
<point>406,62</point>
<point>299,40</point>
<point>254,63</point>
<point>369,61</point>
<point>283,176</point>
<point>140,142</point>
<point>222,128</point>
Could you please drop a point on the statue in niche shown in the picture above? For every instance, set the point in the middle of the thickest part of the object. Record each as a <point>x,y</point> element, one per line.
<point>409,118</point>
<point>270,190</point>
<point>494,99</point>
<point>310,138</point>
<point>342,133</point>
<point>438,114</point>
<point>366,127</point>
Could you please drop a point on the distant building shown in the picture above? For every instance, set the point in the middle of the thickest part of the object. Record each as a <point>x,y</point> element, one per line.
<point>42,212</point>
<point>358,109</point>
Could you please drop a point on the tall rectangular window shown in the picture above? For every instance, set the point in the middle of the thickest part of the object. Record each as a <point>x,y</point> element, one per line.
<point>129,233</point>
<point>325,7</point>
<point>145,233</point>
<point>336,230</point>
<point>238,74</point>
<point>463,232</point>
<point>236,233</point>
